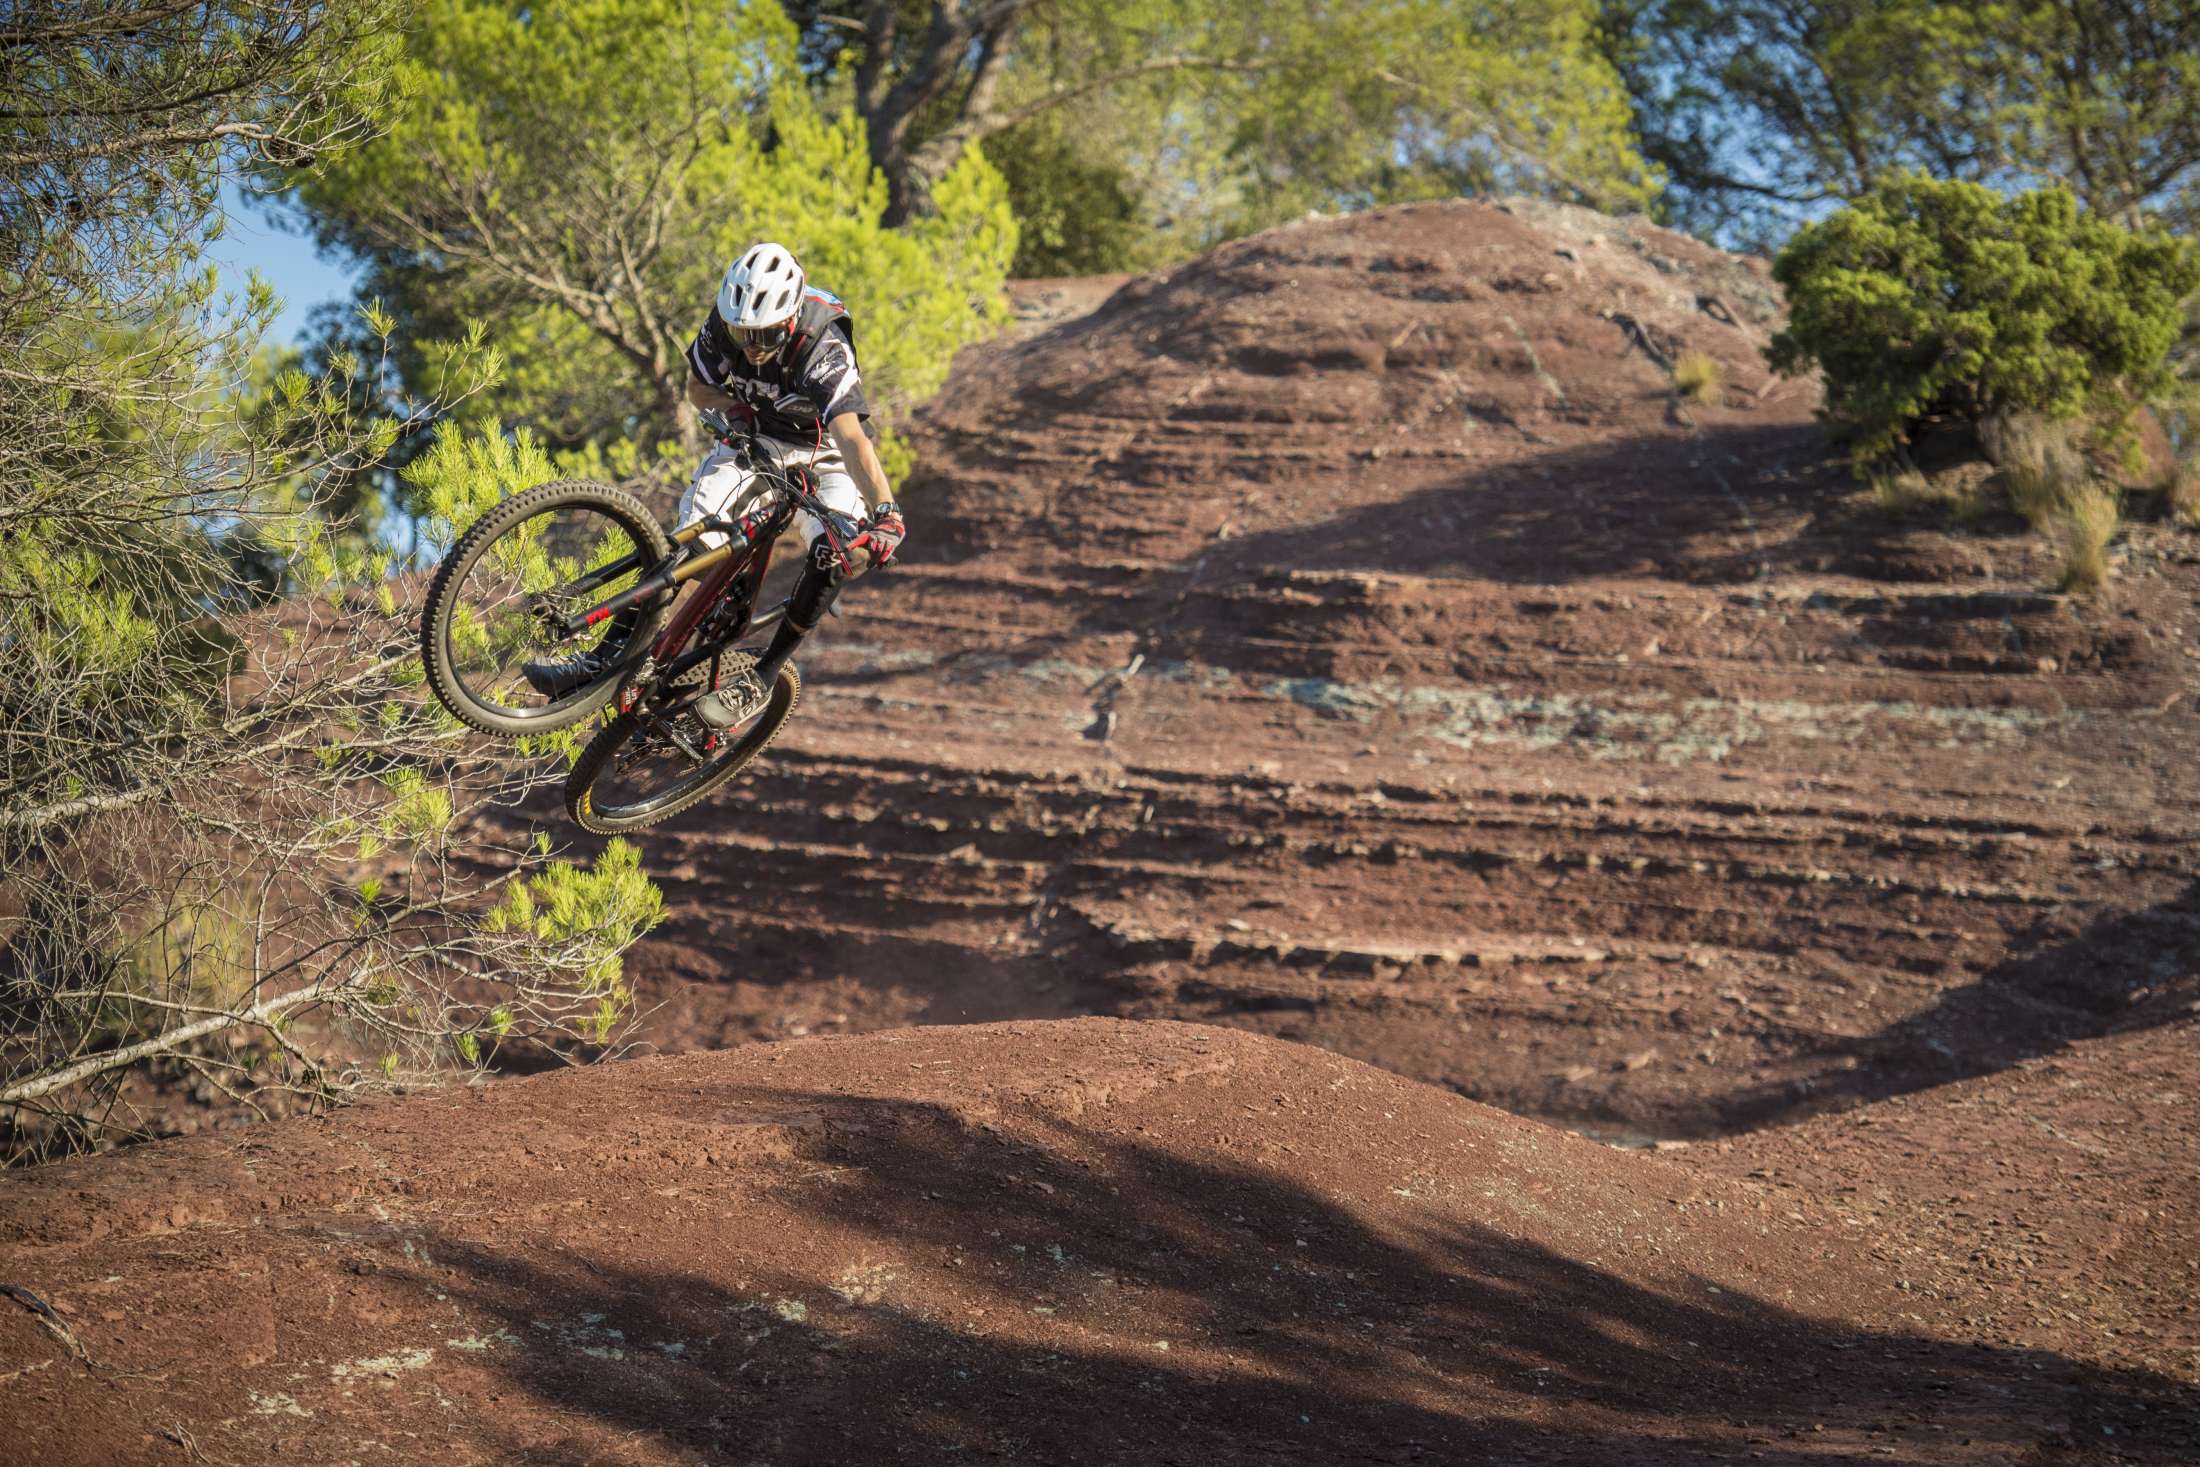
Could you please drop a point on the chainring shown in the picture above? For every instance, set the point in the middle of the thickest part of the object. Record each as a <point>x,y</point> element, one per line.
<point>672,704</point>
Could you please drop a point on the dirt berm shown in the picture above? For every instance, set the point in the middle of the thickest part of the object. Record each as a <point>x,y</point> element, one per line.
<point>1085,1241</point>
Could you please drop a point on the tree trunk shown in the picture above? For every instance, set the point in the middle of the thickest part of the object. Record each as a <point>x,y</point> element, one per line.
<point>687,425</point>
<point>908,192</point>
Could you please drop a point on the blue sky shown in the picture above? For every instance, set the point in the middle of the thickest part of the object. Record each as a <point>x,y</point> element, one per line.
<point>289,261</point>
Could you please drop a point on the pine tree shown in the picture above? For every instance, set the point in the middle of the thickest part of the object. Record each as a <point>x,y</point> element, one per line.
<point>228,816</point>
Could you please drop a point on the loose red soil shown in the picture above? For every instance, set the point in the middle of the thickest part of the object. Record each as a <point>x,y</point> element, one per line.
<point>2049,1204</point>
<point>1082,1242</point>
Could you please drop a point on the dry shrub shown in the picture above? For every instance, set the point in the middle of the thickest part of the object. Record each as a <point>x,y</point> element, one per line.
<point>2182,494</point>
<point>2040,462</point>
<point>2053,484</point>
<point>1907,492</point>
<point>1698,377</point>
<point>1900,493</point>
<point>2085,527</point>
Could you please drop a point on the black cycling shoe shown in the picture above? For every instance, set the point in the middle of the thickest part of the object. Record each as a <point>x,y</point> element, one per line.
<point>740,700</point>
<point>566,675</point>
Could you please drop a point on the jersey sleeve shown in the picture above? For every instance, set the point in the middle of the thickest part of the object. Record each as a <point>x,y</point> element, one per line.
<point>710,354</point>
<point>833,381</point>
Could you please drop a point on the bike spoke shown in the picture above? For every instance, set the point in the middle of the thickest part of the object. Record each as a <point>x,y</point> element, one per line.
<point>512,606</point>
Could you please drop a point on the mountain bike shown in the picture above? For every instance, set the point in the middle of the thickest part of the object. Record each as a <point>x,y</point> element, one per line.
<point>574,567</point>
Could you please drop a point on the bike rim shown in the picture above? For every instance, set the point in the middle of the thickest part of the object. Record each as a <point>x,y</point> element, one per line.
<point>506,608</point>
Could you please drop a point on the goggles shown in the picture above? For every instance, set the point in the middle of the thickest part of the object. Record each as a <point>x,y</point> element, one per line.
<point>762,338</point>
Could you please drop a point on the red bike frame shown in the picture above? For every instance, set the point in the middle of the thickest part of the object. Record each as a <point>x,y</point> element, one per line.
<point>692,611</point>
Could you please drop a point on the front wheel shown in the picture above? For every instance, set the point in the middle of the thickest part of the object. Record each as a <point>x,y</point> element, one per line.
<point>651,764</point>
<point>495,615</point>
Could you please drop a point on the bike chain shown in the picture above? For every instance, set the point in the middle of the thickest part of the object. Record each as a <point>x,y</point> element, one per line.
<point>698,679</point>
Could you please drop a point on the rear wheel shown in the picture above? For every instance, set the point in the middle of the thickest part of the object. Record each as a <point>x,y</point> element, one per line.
<point>651,764</point>
<point>500,598</point>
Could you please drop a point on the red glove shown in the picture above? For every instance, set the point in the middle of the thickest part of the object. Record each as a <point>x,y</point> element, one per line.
<point>725,426</point>
<point>882,534</point>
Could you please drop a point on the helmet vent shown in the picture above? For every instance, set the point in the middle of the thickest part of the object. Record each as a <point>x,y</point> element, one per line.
<point>762,288</point>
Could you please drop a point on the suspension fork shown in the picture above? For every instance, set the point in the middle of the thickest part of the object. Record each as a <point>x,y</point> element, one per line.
<point>666,579</point>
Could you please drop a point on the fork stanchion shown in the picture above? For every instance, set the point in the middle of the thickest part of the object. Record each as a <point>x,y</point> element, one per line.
<point>690,569</point>
<point>653,586</point>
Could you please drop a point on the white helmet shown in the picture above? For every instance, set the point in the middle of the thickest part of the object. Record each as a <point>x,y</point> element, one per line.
<point>764,288</point>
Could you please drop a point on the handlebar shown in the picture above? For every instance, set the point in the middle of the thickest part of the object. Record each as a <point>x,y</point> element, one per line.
<point>691,559</point>
<point>746,438</point>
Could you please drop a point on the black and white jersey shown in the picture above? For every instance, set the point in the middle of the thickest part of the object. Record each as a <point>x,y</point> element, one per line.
<point>823,374</point>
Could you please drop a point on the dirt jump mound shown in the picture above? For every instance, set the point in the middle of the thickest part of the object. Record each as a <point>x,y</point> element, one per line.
<point>1088,1242</point>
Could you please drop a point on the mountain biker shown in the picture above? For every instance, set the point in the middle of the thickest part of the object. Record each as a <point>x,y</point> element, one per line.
<point>779,354</point>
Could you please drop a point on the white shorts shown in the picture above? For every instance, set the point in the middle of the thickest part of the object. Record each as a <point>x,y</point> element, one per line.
<point>726,482</point>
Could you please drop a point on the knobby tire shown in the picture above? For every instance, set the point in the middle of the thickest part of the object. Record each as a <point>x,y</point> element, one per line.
<point>604,747</point>
<point>436,613</point>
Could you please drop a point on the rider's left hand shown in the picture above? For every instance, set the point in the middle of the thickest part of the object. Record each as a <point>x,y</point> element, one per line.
<point>882,535</point>
<point>726,426</point>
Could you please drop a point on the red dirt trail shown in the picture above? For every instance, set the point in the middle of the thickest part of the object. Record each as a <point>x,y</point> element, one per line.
<point>1089,1241</point>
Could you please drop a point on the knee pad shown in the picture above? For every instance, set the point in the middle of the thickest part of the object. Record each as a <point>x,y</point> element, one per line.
<point>820,582</point>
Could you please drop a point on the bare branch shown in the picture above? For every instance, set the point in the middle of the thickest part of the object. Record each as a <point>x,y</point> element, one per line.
<point>261,1015</point>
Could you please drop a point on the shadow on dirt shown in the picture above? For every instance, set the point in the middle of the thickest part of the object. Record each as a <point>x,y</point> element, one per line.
<point>2121,971</point>
<point>940,1292</point>
<point>1731,506</point>
<point>1709,509</point>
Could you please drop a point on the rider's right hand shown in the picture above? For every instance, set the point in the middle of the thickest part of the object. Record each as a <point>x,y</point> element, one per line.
<point>717,424</point>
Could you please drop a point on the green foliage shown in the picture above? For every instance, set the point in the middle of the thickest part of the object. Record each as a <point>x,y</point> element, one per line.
<point>197,754</point>
<point>1761,110</point>
<point>620,461</point>
<point>1076,214</point>
<point>465,475</point>
<point>579,173</point>
<point>603,908</point>
<point>564,744</point>
<point>61,610</point>
<point>1194,120</point>
<point>1407,99</point>
<point>417,810</point>
<point>1933,299</point>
